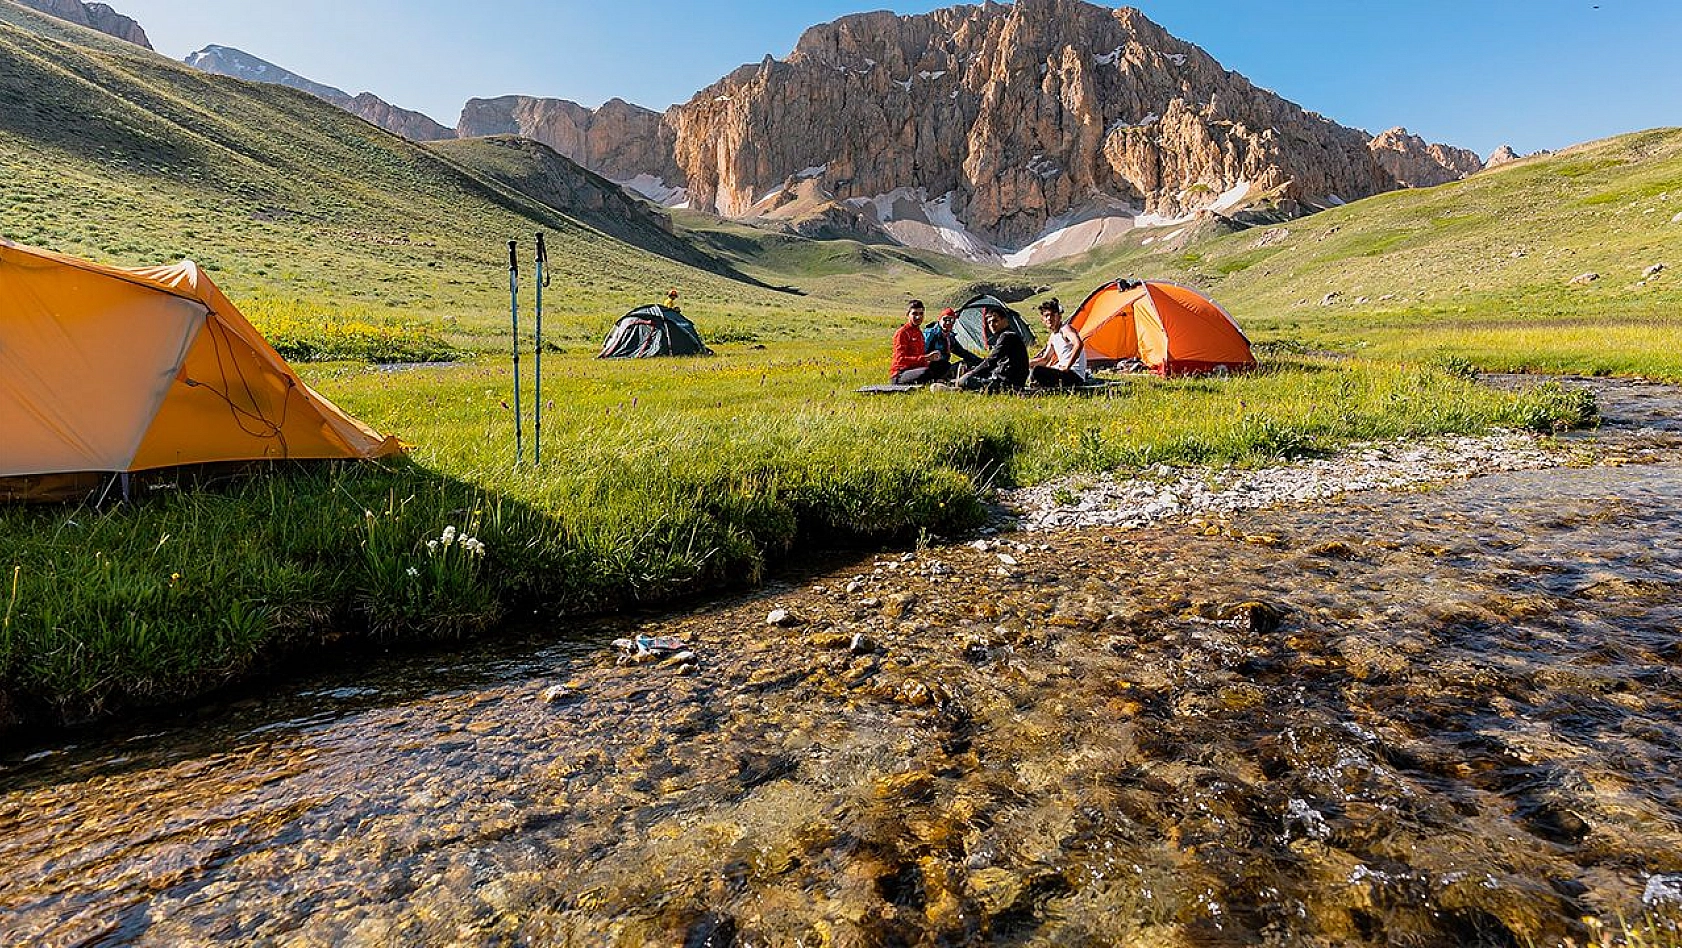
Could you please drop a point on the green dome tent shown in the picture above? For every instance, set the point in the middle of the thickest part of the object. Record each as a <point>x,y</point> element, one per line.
<point>650,331</point>
<point>971,330</point>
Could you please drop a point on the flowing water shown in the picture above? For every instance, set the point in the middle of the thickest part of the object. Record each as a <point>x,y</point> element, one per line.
<point>1444,717</point>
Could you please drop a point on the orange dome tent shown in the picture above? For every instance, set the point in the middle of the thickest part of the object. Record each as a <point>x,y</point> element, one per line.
<point>109,371</point>
<point>1173,330</point>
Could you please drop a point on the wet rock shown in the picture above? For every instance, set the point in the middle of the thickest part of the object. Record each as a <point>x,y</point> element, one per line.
<point>861,644</point>
<point>1332,549</point>
<point>1259,617</point>
<point>1663,889</point>
<point>832,638</point>
<point>556,693</point>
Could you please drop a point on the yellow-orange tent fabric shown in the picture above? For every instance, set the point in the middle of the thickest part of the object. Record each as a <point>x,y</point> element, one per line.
<point>110,370</point>
<point>1172,329</point>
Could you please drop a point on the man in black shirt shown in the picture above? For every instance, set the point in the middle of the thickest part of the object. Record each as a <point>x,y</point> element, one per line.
<point>1006,367</point>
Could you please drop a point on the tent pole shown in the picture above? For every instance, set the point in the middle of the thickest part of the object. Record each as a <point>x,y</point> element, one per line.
<point>537,357</point>
<point>514,316</point>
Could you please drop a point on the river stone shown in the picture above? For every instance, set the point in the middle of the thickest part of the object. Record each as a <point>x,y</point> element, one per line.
<point>1663,888</point>
<point>781,617</point>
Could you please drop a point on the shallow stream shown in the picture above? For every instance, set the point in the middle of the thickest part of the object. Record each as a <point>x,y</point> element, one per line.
<point>1450,716</point>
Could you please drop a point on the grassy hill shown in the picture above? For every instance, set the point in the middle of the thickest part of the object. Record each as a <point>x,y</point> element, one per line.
<point>1480,269</point>
<point>121,155</point>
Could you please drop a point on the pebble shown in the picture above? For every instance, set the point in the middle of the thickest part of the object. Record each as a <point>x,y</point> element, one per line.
<point>555,693</point>
<point>781,617</point>
<point>1663,888</point>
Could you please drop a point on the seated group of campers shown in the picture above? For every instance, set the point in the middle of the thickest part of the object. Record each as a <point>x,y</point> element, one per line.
<point>935,357</point>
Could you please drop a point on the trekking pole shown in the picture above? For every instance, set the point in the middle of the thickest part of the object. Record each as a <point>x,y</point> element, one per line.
<point>514,314</point>
<point>537,425</point>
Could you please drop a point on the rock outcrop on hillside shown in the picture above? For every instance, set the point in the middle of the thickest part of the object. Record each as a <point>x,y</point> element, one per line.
<point>95,16</point>
<point>1007,119</point>
<point>1502,156</point>
<point>1416,164</point>
<point>227,61</point>
<point>619,140</point>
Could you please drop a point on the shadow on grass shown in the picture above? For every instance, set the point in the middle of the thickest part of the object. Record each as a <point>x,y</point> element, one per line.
<point>205,581</point>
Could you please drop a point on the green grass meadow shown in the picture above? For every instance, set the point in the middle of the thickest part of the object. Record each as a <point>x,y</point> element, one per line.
<point>380,267</point>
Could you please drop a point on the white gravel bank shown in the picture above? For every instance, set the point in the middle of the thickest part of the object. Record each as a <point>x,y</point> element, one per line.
<point>1163,492</point>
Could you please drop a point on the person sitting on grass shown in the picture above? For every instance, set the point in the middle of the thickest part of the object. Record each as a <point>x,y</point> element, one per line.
<point>1062,364</point>
<point>911,362</point>
<point>1006,367</point>
<point>945,352</point>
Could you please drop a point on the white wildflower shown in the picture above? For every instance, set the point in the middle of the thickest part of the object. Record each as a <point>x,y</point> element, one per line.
<point>432,546</point>
<point>412,571</point>
<point>449,536</point>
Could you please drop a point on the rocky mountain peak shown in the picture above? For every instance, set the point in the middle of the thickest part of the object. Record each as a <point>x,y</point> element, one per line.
<point>1501,156</point>
<point>228,61</point>
<point>1416,164</point>
<point>95,16</point>
<point>994,127</point>
<point>619,140</point>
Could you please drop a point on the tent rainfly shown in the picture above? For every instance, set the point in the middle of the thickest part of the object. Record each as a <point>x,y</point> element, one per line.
<point>110,371</point>
<point>1171,329</point>
<point>971,327</point>
<point>653,330</point>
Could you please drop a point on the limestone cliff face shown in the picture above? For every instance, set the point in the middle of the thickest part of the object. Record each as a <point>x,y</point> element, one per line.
<point>618,140</point>
<point>228,61</point>
<point>1023,114</point>
<point>1415,164</point>
<point>1501,156</point>
<point>96,16</point>
<point>411,125</point>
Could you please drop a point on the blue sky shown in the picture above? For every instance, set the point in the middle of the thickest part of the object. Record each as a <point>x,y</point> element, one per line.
<point>1473,73</point>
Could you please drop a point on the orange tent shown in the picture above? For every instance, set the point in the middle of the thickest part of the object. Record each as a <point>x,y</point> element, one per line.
<point>105,370</point>
<point>1171,329</point>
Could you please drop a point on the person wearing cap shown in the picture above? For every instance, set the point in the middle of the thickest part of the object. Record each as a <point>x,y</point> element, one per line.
<point>1062,364</point>
<point>911,361</point>
<point>671,299</point>
<point>1006,367</point>
<point>945,352</point>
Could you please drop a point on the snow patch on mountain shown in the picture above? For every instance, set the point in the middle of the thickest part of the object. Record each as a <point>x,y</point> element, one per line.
<point>656,190</point>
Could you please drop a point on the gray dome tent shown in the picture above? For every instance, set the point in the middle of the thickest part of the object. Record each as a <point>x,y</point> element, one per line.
<point>970,329</point>
<point>653,330</point>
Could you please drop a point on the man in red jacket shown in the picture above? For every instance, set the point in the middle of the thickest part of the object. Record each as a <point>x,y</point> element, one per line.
<point>911,363</point>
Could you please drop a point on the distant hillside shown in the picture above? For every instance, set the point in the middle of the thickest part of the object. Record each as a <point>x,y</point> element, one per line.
<point>94,16</point>
<point>116,153</point>
<point>227,61</point>
<point>536,171</point>
<point>1571,257</point>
